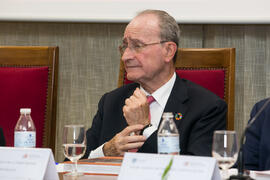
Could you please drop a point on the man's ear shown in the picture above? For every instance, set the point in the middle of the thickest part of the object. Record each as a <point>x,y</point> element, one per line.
<point>170,50</point>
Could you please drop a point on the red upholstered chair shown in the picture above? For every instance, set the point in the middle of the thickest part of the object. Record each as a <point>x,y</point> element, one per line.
<point>213,68</point>
<point>28,79</point>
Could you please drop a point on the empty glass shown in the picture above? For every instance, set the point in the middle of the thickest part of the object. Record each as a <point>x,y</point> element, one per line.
<point>225,150</point>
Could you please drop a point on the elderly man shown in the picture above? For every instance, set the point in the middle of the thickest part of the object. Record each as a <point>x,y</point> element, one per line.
<point>148,51</point>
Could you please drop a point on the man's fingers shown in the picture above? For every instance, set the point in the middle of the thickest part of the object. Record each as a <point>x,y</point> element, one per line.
<point>135,145</point>
<point>131,129</point>
<point>128,101</point>
<point>139,94</point>
<point>131,100</point>
<point>125,109</point>
<point>134,138</point>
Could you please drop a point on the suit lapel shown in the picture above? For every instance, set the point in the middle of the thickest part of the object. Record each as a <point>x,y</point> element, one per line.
<point>131,91</point>
<point>176,101</point>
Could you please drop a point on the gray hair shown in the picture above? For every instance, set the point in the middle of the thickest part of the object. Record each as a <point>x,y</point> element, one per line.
<point>169,29</point>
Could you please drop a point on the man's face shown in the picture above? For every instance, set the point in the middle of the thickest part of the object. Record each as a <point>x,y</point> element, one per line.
<point>143,62</point>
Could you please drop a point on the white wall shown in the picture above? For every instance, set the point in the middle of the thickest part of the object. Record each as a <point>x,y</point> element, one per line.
<point>185,11</point>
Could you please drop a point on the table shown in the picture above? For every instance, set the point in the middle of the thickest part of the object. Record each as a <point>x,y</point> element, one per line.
<point>88,177</point>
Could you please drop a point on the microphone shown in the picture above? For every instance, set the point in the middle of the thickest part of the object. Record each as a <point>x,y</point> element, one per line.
<point>241,175</point>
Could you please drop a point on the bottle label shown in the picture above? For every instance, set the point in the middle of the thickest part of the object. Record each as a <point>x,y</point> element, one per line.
<point>168,145</point>
<point>25,139</point>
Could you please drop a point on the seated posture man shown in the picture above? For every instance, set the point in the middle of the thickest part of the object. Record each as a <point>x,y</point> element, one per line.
<point>122,122</point>
<point>257,145</point>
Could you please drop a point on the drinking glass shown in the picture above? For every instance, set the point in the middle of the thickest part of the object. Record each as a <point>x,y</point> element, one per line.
<point>74,144</point>
<point>225,150</point>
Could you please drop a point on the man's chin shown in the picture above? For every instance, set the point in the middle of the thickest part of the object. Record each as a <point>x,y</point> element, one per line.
<point>132,78</point>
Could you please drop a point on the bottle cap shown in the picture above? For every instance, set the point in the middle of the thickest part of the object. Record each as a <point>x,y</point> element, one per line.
<point>25,110</point>
<point>167,115</point>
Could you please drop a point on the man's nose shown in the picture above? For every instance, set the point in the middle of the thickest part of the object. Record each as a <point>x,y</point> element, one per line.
<point>127,54</point>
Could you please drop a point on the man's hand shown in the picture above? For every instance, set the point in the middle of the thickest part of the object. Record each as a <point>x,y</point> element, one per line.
<point>122,142</point>
<point>136,109</point>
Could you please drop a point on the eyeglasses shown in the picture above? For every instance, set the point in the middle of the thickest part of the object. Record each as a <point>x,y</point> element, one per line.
<point>136,46</point>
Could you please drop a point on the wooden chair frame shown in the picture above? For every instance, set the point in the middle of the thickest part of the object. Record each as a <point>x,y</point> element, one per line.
<point>38,56</point>
<point>206,58</point>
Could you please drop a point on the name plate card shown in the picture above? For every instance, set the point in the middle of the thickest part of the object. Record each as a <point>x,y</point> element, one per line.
<point>27,164</point>
<point>152,166</point>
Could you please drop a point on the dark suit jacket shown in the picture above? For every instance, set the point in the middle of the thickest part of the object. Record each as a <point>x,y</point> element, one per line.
<point>257,145</point>
<point>203,112</point>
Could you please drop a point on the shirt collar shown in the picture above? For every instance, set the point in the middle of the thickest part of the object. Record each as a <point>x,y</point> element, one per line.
<point>162,94</point>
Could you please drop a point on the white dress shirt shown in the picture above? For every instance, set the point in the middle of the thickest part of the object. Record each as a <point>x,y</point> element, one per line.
<point>157,107</point>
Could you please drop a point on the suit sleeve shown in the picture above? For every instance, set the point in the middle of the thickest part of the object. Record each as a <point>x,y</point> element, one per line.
<point>252,144</point>
<point>93,133</point>
<point>201,135</point>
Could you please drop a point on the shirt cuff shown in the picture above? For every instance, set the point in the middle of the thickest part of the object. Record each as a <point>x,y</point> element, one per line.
<point>97,152</point>
<point>148,131</point>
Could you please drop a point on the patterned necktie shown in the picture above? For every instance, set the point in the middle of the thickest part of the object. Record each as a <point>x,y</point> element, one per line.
<point>150,99</point>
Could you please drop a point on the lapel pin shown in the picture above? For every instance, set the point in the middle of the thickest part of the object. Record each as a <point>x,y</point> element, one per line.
<point>178,116</point>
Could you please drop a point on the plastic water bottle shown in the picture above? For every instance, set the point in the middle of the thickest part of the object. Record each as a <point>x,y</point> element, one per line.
<point>168,135</point>
<point>25,131</point>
